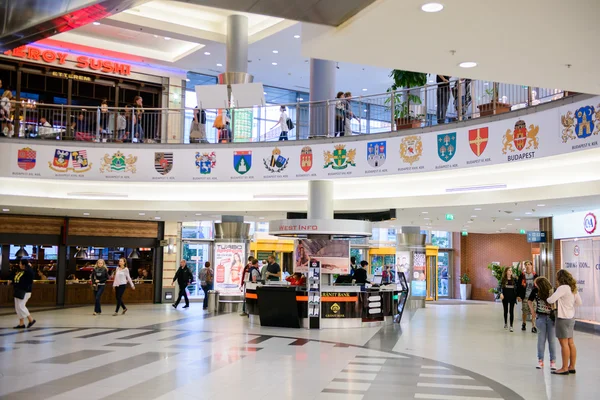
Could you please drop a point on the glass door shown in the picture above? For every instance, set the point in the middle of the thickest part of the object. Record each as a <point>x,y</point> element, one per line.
<point>444,275</point>
<point>196,254</point>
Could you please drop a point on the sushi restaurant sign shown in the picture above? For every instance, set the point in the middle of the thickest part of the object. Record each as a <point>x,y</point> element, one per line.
<point>60,58</point>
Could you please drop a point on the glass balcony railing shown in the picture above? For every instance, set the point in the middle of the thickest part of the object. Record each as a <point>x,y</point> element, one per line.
<point>426,106</point>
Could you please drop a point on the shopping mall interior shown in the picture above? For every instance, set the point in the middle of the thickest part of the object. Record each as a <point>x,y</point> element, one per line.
<point>314,200</point>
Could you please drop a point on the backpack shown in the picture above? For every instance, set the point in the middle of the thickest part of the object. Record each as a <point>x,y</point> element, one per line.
<point>203,117</point>
<point>289,124</point>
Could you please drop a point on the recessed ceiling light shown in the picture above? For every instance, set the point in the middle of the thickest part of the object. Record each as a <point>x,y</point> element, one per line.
<point>469,222</point>
<point>364,90</point>
<point>517,219</point>
<point>187,80</point>
<point>156,217</point>
<point>509,224</point>
<point>167,38</point>
<point>207,53</point>
<point>274,63</point>
<point>6,209</point>
<point>275,51</point>
<point>478,209</point>
<point>141,213</point>
<point>426,218</point>
<point>432,7</point>
<point>96,23</point>
<point>467,64</point>
<point>261,217</point>
<point>219,65</point>
<point>424,212</point>
<point>473,216</point>
<point>296,36</point>
<point>86,214</point>
<point>528,213</point>
<point>541,205</point>
<point>198,213</point>
<point>502,229</point>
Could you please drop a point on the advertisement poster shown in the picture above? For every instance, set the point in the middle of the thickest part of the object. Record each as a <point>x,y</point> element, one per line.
<point>582,259</point>
<point>229,266</point>
<point>418,284</point>
<point>334,255</point>
<point>402,264</point>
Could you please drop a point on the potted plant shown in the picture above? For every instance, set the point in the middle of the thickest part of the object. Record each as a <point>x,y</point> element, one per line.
<point>487,109</point>
<point>404,117</point>
<point>465,287</point>
<point>497,270</point>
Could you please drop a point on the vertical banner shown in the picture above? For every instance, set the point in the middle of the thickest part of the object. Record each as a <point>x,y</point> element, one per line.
<point>596,281</point>
<point>418,284</point>
<point>242,125</point>
<point>402,265</point>
<point>229,266</point>
<point>578,258</point>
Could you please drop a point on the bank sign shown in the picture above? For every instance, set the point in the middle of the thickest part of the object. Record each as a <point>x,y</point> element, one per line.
<point>576,225</point>
<point>59,58</point>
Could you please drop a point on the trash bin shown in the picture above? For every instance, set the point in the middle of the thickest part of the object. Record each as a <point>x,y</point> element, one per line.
<point>213,300</point>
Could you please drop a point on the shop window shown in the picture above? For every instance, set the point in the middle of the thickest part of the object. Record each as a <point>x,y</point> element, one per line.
<point>141,268</point>
<point>43,260</point>
<point>441,239</point>
<point>197,230</point>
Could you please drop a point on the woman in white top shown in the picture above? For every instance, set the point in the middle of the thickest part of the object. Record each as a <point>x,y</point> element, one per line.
<point>567,297</point>
<point>283,122</point>
<point>121,279</point>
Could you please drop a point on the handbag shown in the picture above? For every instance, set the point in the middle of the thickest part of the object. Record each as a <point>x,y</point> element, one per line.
<point>19,293</point>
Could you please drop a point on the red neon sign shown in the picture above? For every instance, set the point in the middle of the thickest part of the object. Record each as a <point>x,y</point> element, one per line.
<point>82,62</point>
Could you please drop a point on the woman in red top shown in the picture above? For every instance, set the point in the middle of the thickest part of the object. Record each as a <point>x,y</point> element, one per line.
<point>297,279</point>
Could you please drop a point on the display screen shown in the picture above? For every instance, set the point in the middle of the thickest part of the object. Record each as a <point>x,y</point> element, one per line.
<point>334,255</point>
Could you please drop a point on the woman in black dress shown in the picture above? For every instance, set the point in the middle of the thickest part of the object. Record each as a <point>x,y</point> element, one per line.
<point>508,295</point>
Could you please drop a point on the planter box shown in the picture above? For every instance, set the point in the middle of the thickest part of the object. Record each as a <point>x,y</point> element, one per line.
<point>487,109</point>
<point>405,123</point>
<point>465,291</point>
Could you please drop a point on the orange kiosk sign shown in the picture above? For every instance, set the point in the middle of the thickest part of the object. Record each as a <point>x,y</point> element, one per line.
<point>60,58</point>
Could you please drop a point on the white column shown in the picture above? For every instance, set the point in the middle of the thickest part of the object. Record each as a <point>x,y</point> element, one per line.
<point>237,43</point>
<point>320,200</point>
<point>173,120</point>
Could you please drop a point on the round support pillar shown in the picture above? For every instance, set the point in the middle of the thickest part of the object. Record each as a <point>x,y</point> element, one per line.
<point>320,200</point>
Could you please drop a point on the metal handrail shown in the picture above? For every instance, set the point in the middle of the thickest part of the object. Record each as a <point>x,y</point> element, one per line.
<point>377,113</point>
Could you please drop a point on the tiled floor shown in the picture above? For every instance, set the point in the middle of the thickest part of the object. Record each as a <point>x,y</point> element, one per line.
<point>154,352</point>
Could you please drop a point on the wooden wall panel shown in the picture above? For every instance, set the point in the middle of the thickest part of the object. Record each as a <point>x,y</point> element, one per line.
<point>30,224</point>
<point>112,227</point>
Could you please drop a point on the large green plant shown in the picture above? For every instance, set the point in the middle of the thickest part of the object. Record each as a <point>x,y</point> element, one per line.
<point>405,80</point>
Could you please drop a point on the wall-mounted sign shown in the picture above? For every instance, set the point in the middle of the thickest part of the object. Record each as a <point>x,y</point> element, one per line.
<point>536,237</point>
<point>342,227</point>
<point>66,75</point>
<point>576,225</point>
<point>60,58</point>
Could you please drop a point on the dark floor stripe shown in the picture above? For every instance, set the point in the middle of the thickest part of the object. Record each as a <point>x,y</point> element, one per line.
<point>17,331</point>
<point>71,382</point>
<point>73,357</point>
<point>299,342</point>
<point>3,349</point>
<point>91,335</point>
<point>34,341</point>
<point>258,340</point>
<point>122,344</point>
<point>61,332</point>
<point>181,335</point>
<point>162,384</point>
<point>137,335</point>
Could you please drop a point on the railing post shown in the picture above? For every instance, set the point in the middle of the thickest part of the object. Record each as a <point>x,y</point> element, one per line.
<point>460,99</point>
<point>360,111</point>
<point>297,120</point>
<point>529,96</point>
<point>62,115</point>
<point>25,121</point>
<point>98,124</point>
<point>231,134</point>
<point>392,110</point>
<point>327,126</point>
<point>426,106</point>
<point>495,98</point>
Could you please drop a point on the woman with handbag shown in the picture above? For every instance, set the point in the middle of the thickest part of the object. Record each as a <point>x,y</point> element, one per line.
<point>99,278</point>
<point>543,313</point>
<point>23,282</point>
<point>567,297</point>
<point>122,278</point>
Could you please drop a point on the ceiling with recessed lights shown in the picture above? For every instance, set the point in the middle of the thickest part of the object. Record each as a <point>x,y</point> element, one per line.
<point>545,43</point>
<point>192,38</point>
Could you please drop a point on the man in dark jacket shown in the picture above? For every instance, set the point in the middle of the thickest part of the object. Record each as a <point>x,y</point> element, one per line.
<point>183,276</point>
<point>524,289</point>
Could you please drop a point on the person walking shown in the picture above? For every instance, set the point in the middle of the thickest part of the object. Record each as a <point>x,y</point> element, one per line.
<point>183,276</point>
<point>567,297</point>
<point>283,123</point>
<point>99,278</point>
<point>198,128</point>
<point>138,115</point>
<point>23,283</point>
<point>542,312</point>
<point>122,277</point>
<point>206,277</point>
<point>508,295</point>
<point>524,290</point>
<point>245,279</point>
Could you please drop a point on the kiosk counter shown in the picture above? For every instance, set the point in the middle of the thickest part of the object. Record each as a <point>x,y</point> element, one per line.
<point>281,305</point>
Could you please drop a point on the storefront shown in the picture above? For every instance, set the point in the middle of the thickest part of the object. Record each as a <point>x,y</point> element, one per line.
<point>579,254</point>
<point>63,252</point>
